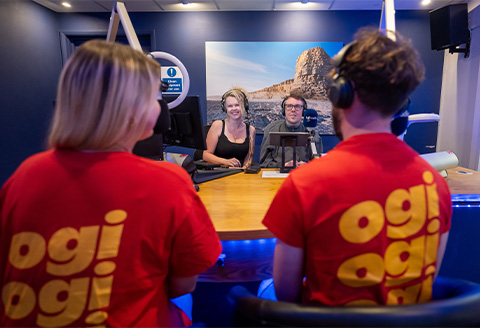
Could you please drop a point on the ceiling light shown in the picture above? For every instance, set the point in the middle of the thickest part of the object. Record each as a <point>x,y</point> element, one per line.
<point>185,2</point>
<point>425,2</point>
<point>66,4</point>
<point>304,1</point>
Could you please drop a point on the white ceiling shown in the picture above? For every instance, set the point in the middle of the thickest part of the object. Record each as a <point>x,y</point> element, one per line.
<point>239,5</point>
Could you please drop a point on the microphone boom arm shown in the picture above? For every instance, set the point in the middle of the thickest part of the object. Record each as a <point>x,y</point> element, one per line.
<point>313,147</point>
<point>119,13</point>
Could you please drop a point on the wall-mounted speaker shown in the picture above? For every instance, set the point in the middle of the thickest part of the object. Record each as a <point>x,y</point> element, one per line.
<point>449,26</point>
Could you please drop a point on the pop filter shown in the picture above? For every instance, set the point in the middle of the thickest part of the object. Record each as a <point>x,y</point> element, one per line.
<point>310,118</point>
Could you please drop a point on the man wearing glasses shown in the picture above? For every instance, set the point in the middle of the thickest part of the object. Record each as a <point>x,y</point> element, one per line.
<point>293,107</point>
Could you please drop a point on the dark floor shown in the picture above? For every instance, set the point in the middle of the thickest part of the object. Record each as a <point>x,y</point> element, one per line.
<point>210,305</point>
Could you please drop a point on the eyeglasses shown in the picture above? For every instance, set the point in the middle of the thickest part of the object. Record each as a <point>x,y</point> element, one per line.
<point>290,106</point>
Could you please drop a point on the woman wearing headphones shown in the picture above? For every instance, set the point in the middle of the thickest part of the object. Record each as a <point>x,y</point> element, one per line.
<point>231,142</point>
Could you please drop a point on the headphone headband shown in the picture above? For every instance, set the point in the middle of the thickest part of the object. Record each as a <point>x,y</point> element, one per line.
<point>338,59</point>
<point>341,90</point>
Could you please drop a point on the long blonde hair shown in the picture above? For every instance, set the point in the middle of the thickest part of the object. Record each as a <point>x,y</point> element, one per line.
<point>103,97</point>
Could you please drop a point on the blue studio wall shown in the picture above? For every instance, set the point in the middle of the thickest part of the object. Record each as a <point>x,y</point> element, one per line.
<point>27,108</point>
<point>30,64</point>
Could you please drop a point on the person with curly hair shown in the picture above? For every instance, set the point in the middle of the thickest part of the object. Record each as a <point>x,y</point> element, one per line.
<point>368,223</point>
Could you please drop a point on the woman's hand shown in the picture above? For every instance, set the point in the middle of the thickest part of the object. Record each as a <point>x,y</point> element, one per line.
<point>232,162</point>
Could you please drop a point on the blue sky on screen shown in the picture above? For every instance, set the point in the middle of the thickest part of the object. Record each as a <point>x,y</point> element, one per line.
<point>255,65</point>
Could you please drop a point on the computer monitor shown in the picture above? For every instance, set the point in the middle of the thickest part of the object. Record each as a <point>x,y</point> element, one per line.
<point>288,139</point>
<point>186,127</point>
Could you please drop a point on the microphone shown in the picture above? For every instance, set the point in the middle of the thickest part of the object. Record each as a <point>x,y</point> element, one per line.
<point>310,119</point>
<point>163,121</point>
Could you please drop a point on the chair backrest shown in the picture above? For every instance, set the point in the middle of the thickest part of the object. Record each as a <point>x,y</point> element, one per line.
<point>418,118</point>
<point>456,304</point>
<point>198,153</point>
<point>151,147</point>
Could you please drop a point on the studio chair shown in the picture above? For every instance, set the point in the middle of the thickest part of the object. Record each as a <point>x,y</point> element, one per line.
<point>198,154</point>
<point>456,304</point>
<point>419,118</point>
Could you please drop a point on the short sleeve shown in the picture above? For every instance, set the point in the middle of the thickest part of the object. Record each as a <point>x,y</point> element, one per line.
<point>284,217</point>
<point>196,245</point>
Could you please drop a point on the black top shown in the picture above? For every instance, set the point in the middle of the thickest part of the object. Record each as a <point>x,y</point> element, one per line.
<point>227,149</point>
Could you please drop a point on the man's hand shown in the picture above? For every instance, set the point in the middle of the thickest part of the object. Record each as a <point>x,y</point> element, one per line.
<point>298,163</point>
<point>289,163</point>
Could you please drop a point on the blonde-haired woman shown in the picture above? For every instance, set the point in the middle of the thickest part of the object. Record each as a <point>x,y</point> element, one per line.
<point>94,234</point>
<point>231,142</point>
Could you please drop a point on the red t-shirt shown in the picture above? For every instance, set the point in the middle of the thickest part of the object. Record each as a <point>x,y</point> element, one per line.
<point>88,239</point>
<point>369,216</point>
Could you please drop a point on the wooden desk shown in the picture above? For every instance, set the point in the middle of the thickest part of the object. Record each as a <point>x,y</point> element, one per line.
<point>461,183</point>
<point>237,205</point>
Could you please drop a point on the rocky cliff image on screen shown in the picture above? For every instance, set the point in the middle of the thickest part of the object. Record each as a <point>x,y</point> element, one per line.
<point>310,81</point>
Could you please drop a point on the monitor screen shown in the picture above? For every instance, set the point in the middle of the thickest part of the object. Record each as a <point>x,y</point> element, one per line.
<point>300,138</point>
<point>186,125</point>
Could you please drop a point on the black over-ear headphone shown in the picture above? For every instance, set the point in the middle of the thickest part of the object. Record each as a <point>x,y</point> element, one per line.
<point>399,122</point>
<point>301,98</point>
<point>229,94</point>
<point>340,90</point>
